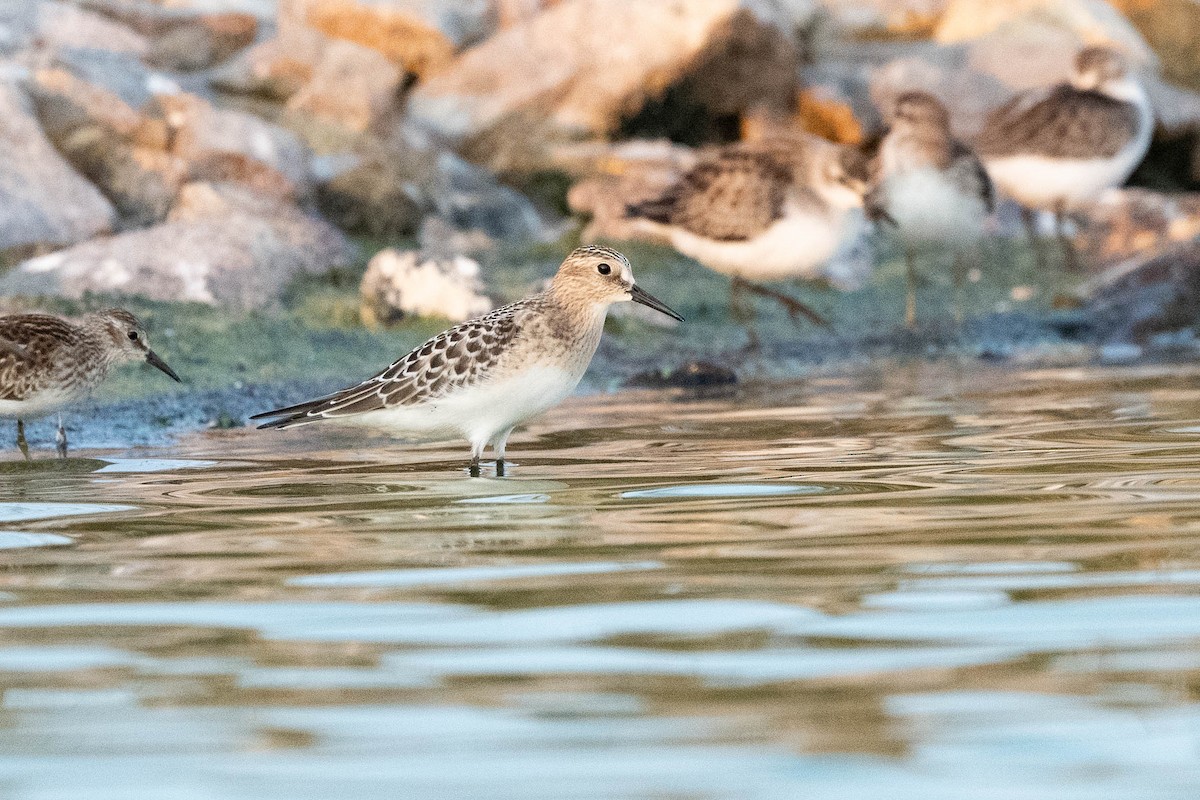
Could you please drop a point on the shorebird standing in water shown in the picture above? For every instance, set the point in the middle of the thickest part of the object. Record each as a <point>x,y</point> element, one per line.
<point>1060,147</point>
<point>47,363</point>
<point>482,378</point>
<point>931,188</point>
<point>767,211</point>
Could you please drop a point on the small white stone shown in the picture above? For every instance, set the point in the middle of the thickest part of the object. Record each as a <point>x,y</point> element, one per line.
<point>399,284</point>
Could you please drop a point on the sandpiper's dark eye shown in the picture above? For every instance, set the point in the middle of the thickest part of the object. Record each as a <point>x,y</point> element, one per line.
<point>133,336</point>
<point>604,269</point>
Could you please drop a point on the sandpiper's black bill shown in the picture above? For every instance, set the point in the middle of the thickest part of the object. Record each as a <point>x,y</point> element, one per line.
<point>640,295</point>
<point>153,360</point>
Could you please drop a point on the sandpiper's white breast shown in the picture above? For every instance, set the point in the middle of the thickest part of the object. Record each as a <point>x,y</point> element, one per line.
<point>797,245</point>
<point>1042,182</point>
<point>930,208</point>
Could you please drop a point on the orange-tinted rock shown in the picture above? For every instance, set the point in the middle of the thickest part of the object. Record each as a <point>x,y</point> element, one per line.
<point>418,36</point>
<point>1172,28</point>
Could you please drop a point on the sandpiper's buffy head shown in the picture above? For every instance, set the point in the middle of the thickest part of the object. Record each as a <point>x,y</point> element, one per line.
<point>920,111</point>
<point>125,339</point>
<point>1098,66</point>
<point>597,277</point>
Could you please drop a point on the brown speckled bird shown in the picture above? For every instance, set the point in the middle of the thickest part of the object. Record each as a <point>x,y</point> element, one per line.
<point>929,188</point>
<point>775,209</point>
<point>482,378</point>
<point>48,363</point>
<point>1059,147</point>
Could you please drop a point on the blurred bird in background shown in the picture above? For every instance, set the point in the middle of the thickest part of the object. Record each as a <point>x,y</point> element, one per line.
<point>1057,148</point>
<point>771,210</point>
<point>930,189</point>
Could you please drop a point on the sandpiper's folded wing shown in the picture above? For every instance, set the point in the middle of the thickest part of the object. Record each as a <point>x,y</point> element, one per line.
<point>1063,122</point>
<point>13,348</point>
<point>732,196</point>
<point>458,357</point>
<point>30,336</point>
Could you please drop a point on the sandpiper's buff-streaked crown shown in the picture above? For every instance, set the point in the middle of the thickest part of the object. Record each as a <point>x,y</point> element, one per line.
<point>47,363</point>
<point>482,378</point>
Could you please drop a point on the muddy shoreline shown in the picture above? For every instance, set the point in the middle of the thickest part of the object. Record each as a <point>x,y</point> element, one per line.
<point>677,363</point>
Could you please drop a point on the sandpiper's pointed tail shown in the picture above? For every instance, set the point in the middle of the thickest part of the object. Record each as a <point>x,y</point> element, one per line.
<point>291,416</point>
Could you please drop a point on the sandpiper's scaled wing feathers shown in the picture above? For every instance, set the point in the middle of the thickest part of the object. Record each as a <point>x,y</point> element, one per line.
<point>732,196</point>
<point>13,348</point>
<point>454,359</point>
<point>1063,122</point>
<point>24,337</point>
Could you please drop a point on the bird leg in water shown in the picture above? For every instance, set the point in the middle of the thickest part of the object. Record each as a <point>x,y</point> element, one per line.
<point>60,438</point>
<point>1029,220</point>
<point>499,467</point>
<point>794,307</point>
<point>21,443</point>
<point>910,297</point>
<point>474,468</point>
<point>1070,257</point>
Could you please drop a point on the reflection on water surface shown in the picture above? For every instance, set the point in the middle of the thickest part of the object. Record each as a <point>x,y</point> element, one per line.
<point>920,583</point>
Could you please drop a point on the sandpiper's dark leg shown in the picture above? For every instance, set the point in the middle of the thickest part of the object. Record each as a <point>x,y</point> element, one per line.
<point>474,468</point>
<point>739,309</point>
<point>1029,220</point>
<point>742,311</point>
<point>1070,257</point>
<point>499,441</point>
<point>960,279</point>
<point>910,297</point>
<point>60,439</point>
<point>21,443</point>
<point>794,307</point>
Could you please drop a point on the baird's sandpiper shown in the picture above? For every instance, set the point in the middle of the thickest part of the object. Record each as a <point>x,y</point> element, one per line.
<point>482,378</point>
<point>47,363</point>
<point>929,187</point>
<point>772,210</point>
<point>1059,147</point>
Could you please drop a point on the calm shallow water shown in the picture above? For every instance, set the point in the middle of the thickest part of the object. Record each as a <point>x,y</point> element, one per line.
<point>920,583</point>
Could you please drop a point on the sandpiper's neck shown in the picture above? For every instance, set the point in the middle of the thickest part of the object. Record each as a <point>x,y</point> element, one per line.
<point>572,315</point>
<point>916,149</point>
<point>98,340</point>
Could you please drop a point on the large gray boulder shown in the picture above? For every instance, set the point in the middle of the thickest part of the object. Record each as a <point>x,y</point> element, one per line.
<point>121,150</point>
<point>222,244</point>
<point>227,144</point>
<point>44,203</point>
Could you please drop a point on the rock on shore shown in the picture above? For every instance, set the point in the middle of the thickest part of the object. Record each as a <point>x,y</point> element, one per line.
<point>44,203</point>
<point>222,244</point>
